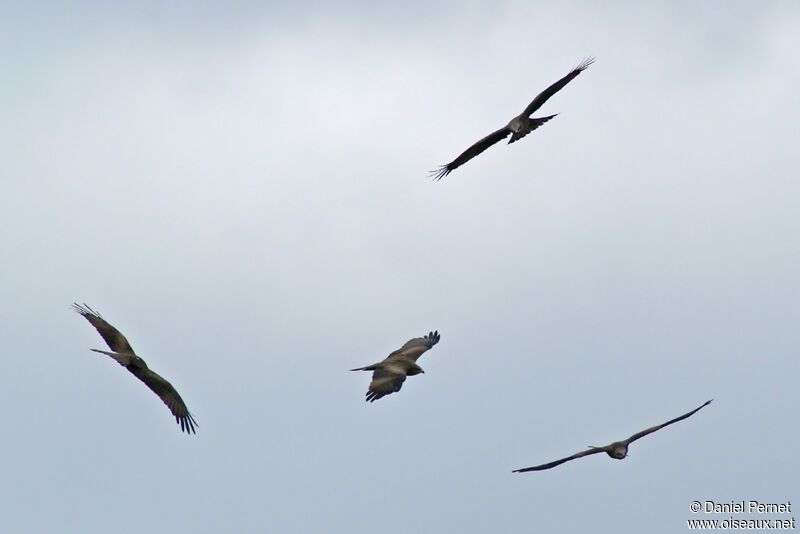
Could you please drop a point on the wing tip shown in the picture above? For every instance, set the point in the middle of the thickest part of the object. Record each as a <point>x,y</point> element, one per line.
<point>432,338</point>
<point>372,395</point>
<point>85,310</point>
<point>585,63</point>
<point>437,174</point>
<point>187,423</point>
<point>706,403</point>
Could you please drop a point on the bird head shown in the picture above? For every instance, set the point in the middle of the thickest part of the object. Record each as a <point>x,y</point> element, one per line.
<point>414,370</point>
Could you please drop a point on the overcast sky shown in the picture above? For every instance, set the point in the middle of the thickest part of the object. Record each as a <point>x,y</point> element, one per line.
<point>243,191</point>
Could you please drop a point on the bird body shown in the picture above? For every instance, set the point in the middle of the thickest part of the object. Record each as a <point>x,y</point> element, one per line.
<point>388,375</point>
<point>124,355</point>
<point>520,126</point>
<point>617,450</point>
<point>517,128</point>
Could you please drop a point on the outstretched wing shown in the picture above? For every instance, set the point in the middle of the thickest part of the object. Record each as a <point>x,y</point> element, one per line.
<point>168,394</point>
<point>471,152</point>
<point>643,433</point>
<point>416,347</point>
<point>542,97</point>
<point>386,379</point>
<point>113,337</point>
<point>593,450</point>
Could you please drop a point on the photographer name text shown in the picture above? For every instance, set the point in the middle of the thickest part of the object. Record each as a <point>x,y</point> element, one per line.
<point>742,507</point>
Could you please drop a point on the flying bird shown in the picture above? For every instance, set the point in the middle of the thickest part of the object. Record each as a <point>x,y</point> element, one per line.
<point>388,376</point>
<point>519,127</point>
<point>124,355</point>
<point>617,450</point>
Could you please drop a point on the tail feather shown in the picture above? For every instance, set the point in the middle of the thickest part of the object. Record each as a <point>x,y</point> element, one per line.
<point>367,368</point>
<point>532,125</point>
<point>121,357</point>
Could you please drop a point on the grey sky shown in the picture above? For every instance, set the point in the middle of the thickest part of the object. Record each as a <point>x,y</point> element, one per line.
<point>243,192</point>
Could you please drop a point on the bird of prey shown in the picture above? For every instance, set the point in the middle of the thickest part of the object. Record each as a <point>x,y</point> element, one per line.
<point>617,450</point>
<point>388,376</point>
<point>519,127</point>
<point>124,355</point>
